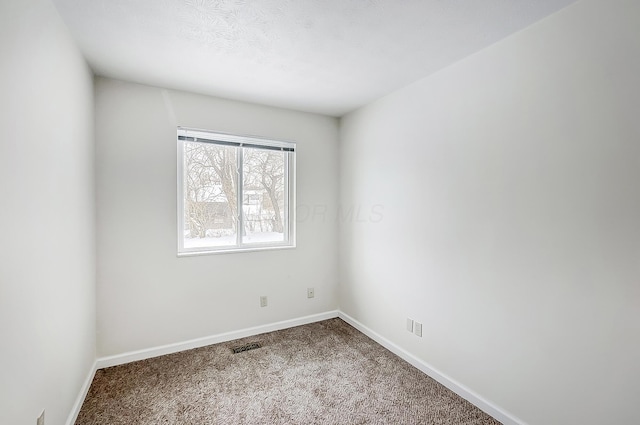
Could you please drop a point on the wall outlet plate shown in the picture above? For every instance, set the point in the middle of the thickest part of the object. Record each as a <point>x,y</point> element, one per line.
<point>263,301</point>
<point>310,293</point>
<point>417,329</point>
<point>409,324</point>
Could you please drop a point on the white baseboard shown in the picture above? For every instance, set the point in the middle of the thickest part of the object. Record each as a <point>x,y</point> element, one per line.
<point>148,353</point>
<point>464,392</point>
<point>81,396</point>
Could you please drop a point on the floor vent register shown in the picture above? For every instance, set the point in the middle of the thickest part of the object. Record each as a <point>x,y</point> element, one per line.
<point>246,347</point>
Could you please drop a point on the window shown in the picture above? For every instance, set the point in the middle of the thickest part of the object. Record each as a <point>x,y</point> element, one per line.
<point>235,193</point>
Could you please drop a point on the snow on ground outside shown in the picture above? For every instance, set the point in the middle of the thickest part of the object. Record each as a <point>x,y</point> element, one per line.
<point>231,240</point>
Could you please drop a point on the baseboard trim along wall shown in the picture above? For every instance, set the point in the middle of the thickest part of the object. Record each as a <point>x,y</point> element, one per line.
<point>148,353</point>
<point>456,387</point>
<point>464,392</point>
<point>82,395</point>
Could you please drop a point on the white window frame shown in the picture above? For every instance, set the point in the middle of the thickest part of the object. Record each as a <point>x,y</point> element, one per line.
<point>205,136</point>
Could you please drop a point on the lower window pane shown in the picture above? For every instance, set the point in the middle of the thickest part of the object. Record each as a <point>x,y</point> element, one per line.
<point>210,205</point>
<point>263,204</point>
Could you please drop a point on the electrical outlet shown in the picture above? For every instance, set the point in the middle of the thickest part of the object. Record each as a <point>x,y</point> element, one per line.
<point>263,301</point>
<point>40,419</point>
<point>409,324</point>
<point>417,329</point>
<point>310,293</point>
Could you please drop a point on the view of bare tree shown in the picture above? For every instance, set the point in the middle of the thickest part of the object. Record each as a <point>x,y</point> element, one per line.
<point>211,175</point>
<point>264,172</point>
<point>210,187</point>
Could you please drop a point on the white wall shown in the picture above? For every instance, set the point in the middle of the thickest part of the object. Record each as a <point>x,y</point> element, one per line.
<point>148,297</point>
<point>510,186</point>
<point>47,249</point>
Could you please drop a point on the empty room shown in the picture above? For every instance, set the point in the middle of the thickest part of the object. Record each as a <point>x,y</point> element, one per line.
<point>319,212</point>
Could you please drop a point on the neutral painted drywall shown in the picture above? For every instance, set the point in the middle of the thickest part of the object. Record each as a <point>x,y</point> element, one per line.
<point>47,249</point>
<point>147,296</point>
<point>510,227</point>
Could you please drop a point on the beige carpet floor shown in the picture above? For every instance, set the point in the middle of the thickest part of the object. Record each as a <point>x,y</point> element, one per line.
<point>321,373</point>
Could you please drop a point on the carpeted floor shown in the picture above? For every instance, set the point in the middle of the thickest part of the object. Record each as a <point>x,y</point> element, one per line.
<point>321,373</point>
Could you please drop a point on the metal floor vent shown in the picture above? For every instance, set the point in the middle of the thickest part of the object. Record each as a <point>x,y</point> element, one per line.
<point>246,347</point>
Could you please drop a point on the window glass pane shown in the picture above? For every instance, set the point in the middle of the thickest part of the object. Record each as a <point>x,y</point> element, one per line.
<point>210,195</point>
<point>263,205</point>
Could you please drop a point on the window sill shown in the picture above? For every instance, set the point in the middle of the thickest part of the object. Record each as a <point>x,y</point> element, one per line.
<point>235,250</point>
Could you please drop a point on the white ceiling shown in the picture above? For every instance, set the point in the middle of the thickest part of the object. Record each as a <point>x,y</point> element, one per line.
<point>325,56</point>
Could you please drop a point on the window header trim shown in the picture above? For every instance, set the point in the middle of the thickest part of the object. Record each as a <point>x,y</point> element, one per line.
<point>201,136</point>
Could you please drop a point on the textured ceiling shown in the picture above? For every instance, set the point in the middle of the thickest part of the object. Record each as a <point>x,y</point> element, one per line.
<point>326,56</point>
